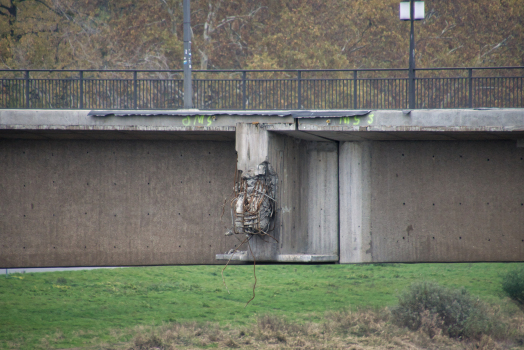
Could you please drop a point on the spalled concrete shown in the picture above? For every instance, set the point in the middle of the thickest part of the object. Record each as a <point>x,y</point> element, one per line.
<point>305,225</point>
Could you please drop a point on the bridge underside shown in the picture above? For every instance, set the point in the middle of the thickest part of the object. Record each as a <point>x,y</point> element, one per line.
<point>95,189</point>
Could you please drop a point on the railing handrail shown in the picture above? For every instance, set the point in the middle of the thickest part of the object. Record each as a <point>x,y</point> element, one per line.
<point>390,88</point>
<point>259,70</point>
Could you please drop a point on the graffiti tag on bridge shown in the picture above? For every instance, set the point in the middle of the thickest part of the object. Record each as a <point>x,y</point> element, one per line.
<point>356,120</point>
<point>200,120</point>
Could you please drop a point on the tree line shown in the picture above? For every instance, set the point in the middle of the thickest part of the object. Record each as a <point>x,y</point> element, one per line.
<point>257,34</point>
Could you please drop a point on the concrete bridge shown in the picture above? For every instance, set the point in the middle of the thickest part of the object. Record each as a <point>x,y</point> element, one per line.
<point>95,188</point>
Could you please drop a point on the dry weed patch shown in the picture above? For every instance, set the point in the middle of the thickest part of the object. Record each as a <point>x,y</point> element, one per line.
<point>362,330</point>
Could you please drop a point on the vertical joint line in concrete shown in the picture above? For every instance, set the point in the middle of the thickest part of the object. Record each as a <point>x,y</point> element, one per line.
<point>338,201</point>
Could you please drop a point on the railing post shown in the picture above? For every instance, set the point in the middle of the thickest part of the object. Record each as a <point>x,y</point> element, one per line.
<point>244,97</point>
<point>470,87</point>
<point>81,89</point>
<point>135,84</point>
<point>411,101</point>
<point>355,89</point>
<point>299,87</point>
<point>26,89</point>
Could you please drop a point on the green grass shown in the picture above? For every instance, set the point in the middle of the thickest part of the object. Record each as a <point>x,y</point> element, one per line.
<point>79,308</point>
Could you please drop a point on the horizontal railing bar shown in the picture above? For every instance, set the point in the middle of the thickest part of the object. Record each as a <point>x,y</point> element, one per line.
<point>461,68</point>
<point>275,79</point>
<point>255,70</point>
<point>474,78</point>
<point>303,79</point>
<point>92,70</point>
<point>239,80</point>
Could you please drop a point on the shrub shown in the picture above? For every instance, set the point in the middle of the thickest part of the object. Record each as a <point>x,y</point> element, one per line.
<point>436,309</point>
<point>513,285</point>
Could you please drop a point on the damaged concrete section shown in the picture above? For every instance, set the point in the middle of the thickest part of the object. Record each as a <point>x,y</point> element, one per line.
<point>254,203</point>
<point>285,199</point>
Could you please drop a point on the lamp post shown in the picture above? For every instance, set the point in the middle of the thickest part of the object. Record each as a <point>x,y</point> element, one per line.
<point>188,88</point>
<point>412,11</point>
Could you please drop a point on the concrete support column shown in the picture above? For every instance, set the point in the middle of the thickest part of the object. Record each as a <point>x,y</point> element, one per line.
<point>355,202</point>
<point>251,145</point>
<point>322,194</point>
<point>305,223</point>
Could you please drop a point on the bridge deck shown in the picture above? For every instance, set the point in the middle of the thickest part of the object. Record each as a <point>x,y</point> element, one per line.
<point>446,124</point>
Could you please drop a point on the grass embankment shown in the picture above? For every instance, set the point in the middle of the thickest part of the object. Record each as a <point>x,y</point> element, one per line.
<point>89,308</point>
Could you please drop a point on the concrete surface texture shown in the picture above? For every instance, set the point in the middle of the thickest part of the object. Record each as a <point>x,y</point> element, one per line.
<point>307,219</point>
<point>447,201</point>
<point>387,186</point>
<point>111,203</point>
<point>442,124</point>
<point>355,201</point>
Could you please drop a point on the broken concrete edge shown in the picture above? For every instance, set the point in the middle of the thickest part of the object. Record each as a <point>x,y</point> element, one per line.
<point>284,258</point>
<point>320,113</point>
<point>186,113</point>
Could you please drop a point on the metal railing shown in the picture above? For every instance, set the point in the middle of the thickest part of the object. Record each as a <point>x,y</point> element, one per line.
<point>496,87</point>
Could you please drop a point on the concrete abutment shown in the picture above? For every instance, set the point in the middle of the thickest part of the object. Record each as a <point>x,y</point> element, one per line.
<point>81,191</point>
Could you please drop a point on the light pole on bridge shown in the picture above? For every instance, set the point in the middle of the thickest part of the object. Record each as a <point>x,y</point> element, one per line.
<point>188,86</point>
<point>412,11</point>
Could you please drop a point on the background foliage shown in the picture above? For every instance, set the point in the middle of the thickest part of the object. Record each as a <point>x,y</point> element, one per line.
<point>147,34</point>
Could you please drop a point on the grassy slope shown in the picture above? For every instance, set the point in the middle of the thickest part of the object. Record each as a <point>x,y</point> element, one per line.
<point>79,308</point>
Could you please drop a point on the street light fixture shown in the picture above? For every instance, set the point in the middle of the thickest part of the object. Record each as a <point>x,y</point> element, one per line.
<point>412,11</point>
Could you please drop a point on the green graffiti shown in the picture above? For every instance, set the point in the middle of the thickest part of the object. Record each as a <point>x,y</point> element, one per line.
<point>354,120</point>
<point>199,120</point>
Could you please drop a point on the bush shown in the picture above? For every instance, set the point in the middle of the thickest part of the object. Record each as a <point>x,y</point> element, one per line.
<point>513,285</point>
<point>435,309</point>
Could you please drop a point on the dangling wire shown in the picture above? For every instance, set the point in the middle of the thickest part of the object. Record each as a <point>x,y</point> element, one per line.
<point>254,273</point>
<point>232,254</point>
<point>252,207</point>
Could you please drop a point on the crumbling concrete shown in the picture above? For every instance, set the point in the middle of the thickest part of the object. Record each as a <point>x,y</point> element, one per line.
<point>253,208</point>
<point>304,221</point>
